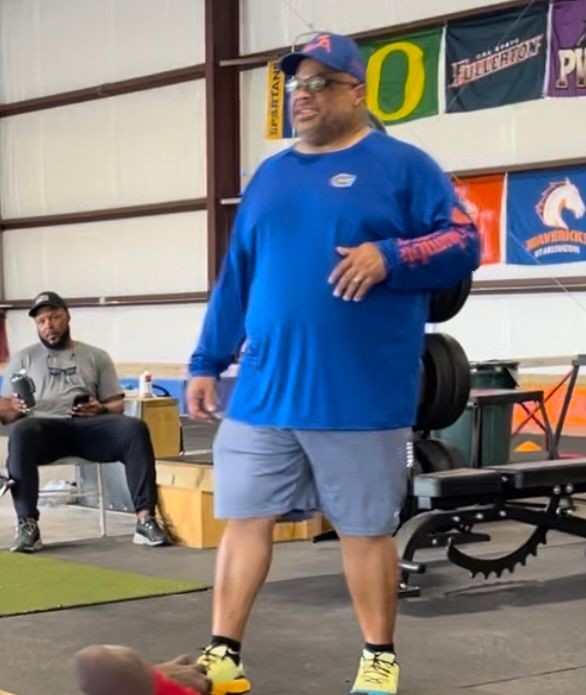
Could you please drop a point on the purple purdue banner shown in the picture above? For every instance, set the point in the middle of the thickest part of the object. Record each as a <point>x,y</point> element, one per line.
<point>567,67</point>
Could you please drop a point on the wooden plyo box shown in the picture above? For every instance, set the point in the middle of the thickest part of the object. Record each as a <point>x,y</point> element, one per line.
<point>186,503</point>
<point>161,416</point>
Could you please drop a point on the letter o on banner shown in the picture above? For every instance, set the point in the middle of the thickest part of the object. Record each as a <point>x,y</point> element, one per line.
<point>414,85</point>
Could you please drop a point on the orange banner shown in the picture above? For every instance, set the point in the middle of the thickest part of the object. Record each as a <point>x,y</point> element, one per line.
<point>575,424</point>
<point>482,197</point>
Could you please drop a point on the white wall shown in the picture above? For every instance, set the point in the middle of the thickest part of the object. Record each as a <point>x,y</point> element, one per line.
<point>163,334</point>
<point>51,46</point>
<point>144,147</point>
<point>533,325</point>
<point>142,255</point>
<point>503,136</point>
<point>271,23</point>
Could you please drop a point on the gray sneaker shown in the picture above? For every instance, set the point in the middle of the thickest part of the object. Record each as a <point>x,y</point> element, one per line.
<point>28,537</point>
<point>148,532</point>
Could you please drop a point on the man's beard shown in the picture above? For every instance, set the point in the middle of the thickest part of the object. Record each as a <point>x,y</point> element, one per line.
<point>61,344</point>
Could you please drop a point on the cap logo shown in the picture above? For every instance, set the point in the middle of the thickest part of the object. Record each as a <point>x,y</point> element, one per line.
<point>321,41</point>
<point>42,298</point>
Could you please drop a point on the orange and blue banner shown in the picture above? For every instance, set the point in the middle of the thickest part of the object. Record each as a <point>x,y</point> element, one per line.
<point>546,217</point>
<point>482,198</point>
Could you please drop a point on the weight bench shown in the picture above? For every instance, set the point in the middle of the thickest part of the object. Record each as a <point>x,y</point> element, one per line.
<point>461,498</point>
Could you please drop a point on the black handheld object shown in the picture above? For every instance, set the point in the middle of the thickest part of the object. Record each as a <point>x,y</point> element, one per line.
<point>81,398</point>
<point>24,387</point>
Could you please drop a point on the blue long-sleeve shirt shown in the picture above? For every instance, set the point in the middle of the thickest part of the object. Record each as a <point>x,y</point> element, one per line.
<point>312,360</point>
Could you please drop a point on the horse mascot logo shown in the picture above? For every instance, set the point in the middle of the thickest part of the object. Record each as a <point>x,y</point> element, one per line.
<point>560,196</point>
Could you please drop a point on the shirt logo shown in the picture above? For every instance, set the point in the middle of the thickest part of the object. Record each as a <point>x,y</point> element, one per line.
<point>342,180</point>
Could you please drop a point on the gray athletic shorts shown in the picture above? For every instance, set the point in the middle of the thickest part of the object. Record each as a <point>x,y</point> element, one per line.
<point>358,479</point>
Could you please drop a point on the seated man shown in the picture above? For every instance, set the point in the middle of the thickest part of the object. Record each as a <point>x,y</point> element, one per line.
<point>63,369</point>
<point>113,670</point>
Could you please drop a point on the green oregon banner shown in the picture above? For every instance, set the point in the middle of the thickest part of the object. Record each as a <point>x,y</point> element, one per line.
<point>402,76</point>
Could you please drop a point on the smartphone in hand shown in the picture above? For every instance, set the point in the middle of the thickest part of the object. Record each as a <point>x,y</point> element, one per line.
<point>81,398</point>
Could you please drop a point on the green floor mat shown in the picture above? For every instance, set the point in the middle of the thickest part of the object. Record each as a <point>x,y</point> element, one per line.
<point>30,584</point>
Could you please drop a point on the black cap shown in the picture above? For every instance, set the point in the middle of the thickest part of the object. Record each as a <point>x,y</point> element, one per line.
<point>47,299</point>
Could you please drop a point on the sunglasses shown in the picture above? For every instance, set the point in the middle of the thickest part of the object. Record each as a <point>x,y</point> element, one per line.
<point>314,84</point>
<point>57,366</point>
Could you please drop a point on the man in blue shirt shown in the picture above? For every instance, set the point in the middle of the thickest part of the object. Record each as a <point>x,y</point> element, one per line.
<point>337,244</point>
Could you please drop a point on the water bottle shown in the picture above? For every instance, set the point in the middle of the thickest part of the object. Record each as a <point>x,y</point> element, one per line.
<point>24,387</point>
<point>145,385</point>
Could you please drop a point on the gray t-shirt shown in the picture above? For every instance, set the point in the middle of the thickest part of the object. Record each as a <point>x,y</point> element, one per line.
<point>60,375</point>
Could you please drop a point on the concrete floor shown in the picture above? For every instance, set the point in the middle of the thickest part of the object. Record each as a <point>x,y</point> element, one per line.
<point>520,635</point>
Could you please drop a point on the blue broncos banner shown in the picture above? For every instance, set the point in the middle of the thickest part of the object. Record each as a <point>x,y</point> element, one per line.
<point>546,217</point>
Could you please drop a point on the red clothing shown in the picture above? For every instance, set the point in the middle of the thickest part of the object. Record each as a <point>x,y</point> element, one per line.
<point>165,686</point>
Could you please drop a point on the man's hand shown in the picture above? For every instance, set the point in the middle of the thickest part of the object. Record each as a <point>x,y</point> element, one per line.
<point>12,408</point>
<point>201,398</point>
<point>19,406</point>
<point>182,670</point>
<point>361,267</point>
<point>92,408</point>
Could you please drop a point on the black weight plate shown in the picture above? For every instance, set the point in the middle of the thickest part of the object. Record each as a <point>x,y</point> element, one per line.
<point>438,379</point>
<point>446,383</point>
<point>432,458</point>
<point>451,358</point>
<point>435,455</point>
<point>445,304</point>
<point>436,382</point>
<point>462,380</point>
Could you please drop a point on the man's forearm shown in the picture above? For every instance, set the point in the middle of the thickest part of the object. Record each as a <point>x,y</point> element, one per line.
<point>114,406</point>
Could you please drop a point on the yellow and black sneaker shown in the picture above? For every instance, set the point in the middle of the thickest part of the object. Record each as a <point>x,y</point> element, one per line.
<point>378,674</point>
<point>225,672</point>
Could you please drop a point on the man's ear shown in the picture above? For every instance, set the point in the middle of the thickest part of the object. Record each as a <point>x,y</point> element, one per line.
<point>360,95</point>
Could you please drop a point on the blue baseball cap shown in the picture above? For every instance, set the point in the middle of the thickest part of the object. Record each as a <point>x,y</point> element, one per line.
<point>340,53</point>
